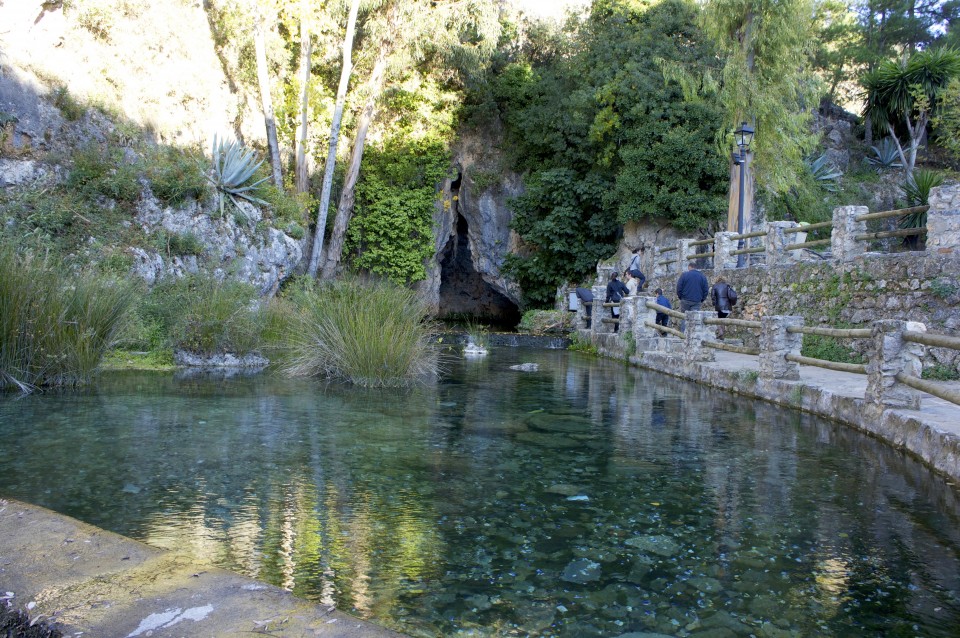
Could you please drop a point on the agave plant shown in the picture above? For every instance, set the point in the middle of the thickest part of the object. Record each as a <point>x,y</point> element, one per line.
<point>233,167</point>
<point>825,174</point>
<point>885,155</point>
<point>917,190</point>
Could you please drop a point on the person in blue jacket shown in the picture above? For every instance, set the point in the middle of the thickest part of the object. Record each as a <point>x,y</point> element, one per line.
<point>692,290</point>
<point>616,291</point>
<point>663,319</point>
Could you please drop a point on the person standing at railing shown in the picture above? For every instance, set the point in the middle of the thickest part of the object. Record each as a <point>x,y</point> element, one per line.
<point>692,290</point>
<point>663,319</point>
<point>723,297</point>
<point>615,292</point>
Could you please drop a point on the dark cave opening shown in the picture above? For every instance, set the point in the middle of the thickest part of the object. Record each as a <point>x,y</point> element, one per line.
<point>463,292</point>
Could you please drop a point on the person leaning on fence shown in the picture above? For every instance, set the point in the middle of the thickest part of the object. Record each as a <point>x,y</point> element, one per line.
<point>615,292</point>
<point>663,319</point>
<point>692,290</point>
<point>634,269</point>
<point>723,297</point>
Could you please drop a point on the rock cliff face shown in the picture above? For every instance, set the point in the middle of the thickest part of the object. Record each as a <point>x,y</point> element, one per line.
<point>465,276</point>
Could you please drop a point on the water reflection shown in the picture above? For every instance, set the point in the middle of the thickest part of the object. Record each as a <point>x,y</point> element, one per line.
<point>585,499</point>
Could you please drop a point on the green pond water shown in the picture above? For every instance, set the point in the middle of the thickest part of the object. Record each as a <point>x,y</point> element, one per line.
<point>583,499</point>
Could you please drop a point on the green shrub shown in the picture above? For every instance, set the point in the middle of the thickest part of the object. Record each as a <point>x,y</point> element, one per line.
<point>102,171</point>
<point>176,243</point>
<point>286,208</point>
<point>54,330</point>
<point>941,372</point>
<point>828,348</point>
<point>176,175</point>
<point>543,321</point>
<point>579,344</point>
<point>370,334</point>
<point>69,107</point>
<point>214,317</point>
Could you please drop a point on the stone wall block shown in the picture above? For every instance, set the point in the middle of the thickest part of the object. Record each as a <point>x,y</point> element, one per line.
<point>776,253</point>
<point>891,355</point>
<point>696,332</point>
<point>722,247</point>
<point>644,315</point>
<point>683,250</point>
<point>943,221</point>
<point>599,312</point>
<point>843,244</point>
<point>776,343</point>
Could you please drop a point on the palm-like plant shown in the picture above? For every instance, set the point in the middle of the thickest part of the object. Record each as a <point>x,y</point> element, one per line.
<point>905,91</point>
<point>917,190</point>
<point>825,173</point>
<point>233,168</point>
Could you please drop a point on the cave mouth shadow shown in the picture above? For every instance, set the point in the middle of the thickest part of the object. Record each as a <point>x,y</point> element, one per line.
<point>464,295</point>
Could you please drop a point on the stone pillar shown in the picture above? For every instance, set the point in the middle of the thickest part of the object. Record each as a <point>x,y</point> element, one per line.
<point>599,312</point>
<point>683,249</point>
<point>643,315</point>
<point>943,221</point>
<point>777,242</point>
<point>890,356</point>
<point>843,244</point>
<point>629,311</point>
<point>695,333</point>
<point>776,343</point>
<point>722,247</point>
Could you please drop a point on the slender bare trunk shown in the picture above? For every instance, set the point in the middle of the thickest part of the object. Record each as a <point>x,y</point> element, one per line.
<point>266,102</point>
<point>306,48</point>
<point>334,135</point>
<point>348,194</point>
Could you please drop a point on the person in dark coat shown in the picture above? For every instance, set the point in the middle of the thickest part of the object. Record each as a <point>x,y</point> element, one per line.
<point>692,289</point>
<point>634,269</point>
<point>723,297</point>
<point>616,291</point>
<point>663,319</point>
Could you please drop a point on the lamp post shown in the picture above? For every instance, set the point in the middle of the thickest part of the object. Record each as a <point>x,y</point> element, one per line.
<point>743,136</point>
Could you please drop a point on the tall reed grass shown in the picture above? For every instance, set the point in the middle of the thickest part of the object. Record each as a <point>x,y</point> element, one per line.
<point>373,334</point>
<point>54,329</point>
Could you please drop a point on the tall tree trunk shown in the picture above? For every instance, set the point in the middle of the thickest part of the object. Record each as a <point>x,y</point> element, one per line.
<point>306,48</point>
<point>334,136</point>
<point>265,100</point>
<point>348,194</point>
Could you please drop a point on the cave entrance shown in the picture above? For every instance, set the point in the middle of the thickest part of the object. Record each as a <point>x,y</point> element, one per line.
<point>463,292</point>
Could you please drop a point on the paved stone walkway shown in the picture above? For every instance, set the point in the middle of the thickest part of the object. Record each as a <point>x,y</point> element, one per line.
<point>94,583</point>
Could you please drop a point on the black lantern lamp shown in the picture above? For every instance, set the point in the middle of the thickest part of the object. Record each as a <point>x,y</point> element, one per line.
<point>743,136</point>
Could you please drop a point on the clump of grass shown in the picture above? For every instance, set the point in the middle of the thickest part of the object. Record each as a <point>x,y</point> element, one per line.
<point>579,344</point>
<point>69,107</point>
<point>371,334</point>
<point>478,333</point>
<point>186,243</point>
<point>941,372</point>
<point>54,330</point>
<point>103,171</point>
<point>175,174</point>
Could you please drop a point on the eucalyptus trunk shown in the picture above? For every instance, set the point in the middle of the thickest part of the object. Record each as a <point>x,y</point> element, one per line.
<point>266,102</point>
<point>306,48</point>
<point>348,193</point>
<point>334,136</point>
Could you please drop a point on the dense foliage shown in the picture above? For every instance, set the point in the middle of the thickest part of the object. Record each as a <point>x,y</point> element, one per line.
<point>605,140</point>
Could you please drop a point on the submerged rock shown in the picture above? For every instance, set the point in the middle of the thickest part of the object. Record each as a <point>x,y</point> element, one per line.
<point>659,545</point>
<point>526,367</point>
<point>581,571</point>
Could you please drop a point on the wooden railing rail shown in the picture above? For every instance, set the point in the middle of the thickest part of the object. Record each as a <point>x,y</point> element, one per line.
<point>808,227</point>
<point>808,244</point>
<point>900,212</point>
<point>670,331</point>
<point>758,233</point>
<point>743,323</point>
<point>930,387</point>
<point>858,368</point>
<point>843,333</point>
<point>748,251</point>
<point>702,242</point>
<point>903,232</point>
<point>929,339</point>
<point>670,312</point>
<point>719,345</point>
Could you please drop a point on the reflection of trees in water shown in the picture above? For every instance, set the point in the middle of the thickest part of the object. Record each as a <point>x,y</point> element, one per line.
<point>367,499</point>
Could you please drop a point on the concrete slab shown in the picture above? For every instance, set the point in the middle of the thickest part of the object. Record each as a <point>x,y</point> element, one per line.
<point>88,581</point>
